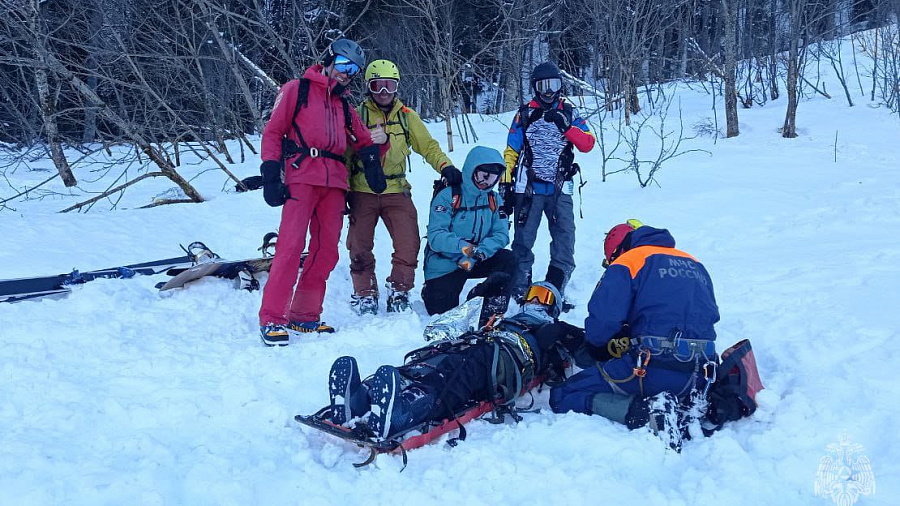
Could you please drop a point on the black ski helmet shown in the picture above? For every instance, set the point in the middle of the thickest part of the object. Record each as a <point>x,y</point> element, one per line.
<point>346,48</point>
<point>546,70</point>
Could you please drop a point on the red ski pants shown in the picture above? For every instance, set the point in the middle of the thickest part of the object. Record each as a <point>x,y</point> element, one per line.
<point>317,210</point>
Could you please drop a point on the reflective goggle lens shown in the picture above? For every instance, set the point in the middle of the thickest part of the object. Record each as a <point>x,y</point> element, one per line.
<point>484,179</point>
<point>343,65</point>
<point>541,293</point>
<point>379,85</point>
<point>548,85</point>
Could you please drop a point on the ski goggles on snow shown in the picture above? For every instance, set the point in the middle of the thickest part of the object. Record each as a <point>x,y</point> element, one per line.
<point>379,85</point>
<point>540,293</point>
<point>343,65</point>
<point>551,85</point>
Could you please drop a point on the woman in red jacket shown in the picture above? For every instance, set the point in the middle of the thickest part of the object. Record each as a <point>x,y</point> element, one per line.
<point>303,168</point>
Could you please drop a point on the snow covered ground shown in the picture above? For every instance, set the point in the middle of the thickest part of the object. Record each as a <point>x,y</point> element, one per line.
<point>117,395</point>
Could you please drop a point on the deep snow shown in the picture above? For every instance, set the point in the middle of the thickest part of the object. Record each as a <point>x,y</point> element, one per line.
<point>116,394</point>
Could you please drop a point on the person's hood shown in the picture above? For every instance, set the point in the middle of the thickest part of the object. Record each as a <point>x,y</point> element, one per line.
<point>649,236</point>
<point>479,155</point>
<point>315,76</point>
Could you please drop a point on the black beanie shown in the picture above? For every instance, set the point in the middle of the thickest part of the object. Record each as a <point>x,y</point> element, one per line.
<point>546,70</point>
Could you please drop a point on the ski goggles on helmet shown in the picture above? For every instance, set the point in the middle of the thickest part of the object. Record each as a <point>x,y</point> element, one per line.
<point>541,294</point>
<point>379,85</point>
<point>343,65</point>
<point>551,85</point>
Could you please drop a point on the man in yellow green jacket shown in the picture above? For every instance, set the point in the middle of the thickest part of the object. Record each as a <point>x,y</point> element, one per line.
<point>391,122</point>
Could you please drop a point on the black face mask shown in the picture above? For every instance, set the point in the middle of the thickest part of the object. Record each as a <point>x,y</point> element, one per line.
<point>547,100</point>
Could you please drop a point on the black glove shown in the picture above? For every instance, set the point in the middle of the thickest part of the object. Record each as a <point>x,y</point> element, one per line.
<point>596,353</point>
<point>617,346</point>
<point>572,336</point>
<point>451,175</point>
<point>507,195</point>
<point>372,168</point>
<point>574,168</point>
<point>274,190</point>
<point>559,118</point>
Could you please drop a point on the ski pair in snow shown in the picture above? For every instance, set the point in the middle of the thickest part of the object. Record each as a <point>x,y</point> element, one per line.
<point>197,262</point>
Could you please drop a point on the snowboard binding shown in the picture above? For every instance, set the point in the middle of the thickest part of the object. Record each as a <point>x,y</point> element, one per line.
<point>200,253</point>
<point>269,244</point>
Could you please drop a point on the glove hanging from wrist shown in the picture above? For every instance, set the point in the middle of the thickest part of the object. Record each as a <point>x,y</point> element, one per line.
<point>371,162</point>
<point>275,192</point>
<point>451,175</point>
<point>506,196</point>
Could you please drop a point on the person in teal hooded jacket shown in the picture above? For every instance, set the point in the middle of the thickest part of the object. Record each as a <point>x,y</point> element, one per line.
<point>467,235</point>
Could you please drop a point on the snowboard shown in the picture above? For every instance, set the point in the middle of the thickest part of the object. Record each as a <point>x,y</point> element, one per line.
<point>15,290</point>
<point>206,263</point>
<point>218,268</point>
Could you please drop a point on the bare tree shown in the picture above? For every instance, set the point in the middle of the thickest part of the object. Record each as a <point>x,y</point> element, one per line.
<point>729,10</point>
<point>37,30</point>
<point>664,144</point>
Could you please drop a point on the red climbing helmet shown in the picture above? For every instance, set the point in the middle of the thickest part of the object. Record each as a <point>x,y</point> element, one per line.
<point>612,245</point>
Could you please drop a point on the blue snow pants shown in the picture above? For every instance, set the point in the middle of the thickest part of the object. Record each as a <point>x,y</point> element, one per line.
<point>577,392</point>
<point>562,237</point>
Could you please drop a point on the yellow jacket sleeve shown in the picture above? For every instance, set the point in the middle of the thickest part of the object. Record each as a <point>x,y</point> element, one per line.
<point>423,143</point>
<point>510,157</point>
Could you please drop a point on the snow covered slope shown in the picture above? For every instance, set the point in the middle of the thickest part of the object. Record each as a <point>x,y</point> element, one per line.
<point>116,395</point>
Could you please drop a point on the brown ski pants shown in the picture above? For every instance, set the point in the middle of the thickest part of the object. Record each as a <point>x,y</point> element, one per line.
<point>402,222</point>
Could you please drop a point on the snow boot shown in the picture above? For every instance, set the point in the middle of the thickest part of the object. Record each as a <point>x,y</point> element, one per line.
<point>274,334</point>
<point>398,301</point>
<point>492,307</point>
<point>665,419</point>
<point>364,304</point>
<point>310,327</point>
<point>384,392</point>
<point>557,277</point>
<point>348,398</point>
<point>661,415</point>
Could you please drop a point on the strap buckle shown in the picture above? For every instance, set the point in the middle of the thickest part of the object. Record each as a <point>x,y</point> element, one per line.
<point>710,371</point>
<point>640,367</point>
<point>314,152</point>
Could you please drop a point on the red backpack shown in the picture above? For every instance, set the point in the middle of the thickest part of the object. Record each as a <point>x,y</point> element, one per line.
<point>733,395</point>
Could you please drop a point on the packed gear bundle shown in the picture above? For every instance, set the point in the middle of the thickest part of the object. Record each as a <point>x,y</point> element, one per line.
<point>444,384</point>
<point>504,355</point>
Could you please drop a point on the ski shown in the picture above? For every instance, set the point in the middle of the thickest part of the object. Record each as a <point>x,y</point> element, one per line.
<point>16,290</point>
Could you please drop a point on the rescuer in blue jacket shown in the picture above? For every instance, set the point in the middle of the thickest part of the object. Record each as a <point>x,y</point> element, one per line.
<point>649,329</point>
